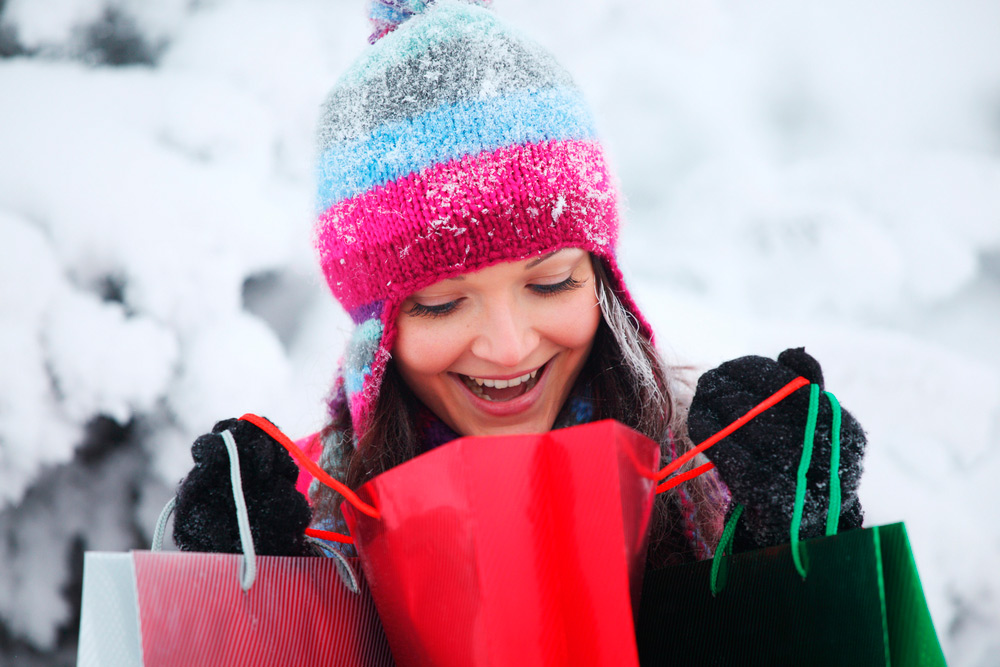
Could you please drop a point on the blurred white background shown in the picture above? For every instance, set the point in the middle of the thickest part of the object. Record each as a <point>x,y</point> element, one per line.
<point>796,173</point>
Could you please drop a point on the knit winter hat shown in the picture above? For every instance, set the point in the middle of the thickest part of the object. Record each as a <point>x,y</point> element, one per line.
<point>452,144</point>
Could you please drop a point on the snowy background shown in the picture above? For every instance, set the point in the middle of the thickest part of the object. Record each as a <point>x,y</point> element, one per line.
<point>797,173</point>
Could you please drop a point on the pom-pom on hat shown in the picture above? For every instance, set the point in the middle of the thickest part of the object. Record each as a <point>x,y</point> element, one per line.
<point>386,15</point>
<point>452,144</point>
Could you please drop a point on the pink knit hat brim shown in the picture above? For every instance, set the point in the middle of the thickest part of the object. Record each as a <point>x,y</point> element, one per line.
<point>464,215</point>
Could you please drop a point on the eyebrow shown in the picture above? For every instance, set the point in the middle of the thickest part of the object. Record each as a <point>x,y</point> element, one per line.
<point>535,262</point>
<point>532,264</point>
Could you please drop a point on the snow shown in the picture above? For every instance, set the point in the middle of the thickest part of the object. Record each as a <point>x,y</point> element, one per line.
<point>127,373</point>
<point>32,433</point>
<point>236,362</point>
<point>795,174</point>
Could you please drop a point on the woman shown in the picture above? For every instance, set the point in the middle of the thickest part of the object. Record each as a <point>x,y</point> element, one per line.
<point>468,223</point>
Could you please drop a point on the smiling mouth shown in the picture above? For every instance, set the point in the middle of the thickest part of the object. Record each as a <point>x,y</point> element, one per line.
<point>500,391</point>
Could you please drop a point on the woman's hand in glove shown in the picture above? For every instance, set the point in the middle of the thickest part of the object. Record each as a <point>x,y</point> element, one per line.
<point>759,462</point>
<point>205,514</point>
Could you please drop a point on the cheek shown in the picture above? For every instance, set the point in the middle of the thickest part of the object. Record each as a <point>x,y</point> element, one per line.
<point>422,350</point>
<point>573,324</point>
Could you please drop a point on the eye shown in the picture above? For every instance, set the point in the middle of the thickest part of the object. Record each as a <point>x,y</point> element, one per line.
<point>567,285</point>
<point>420,310</point>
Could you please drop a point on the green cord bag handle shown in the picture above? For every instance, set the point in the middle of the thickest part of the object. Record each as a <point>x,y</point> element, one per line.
<point>717,580</point>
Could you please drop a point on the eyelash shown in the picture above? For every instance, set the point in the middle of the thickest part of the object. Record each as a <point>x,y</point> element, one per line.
<point>420,310</point>
<point>567,285</point>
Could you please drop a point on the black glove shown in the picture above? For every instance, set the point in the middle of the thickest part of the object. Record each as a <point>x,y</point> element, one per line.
<point>759,462</point>
<point>205,514</point>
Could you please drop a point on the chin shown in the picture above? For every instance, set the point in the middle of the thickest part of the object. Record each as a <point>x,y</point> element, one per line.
<point>538,425</point>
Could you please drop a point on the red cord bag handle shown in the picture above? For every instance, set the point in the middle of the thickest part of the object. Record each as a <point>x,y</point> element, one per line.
<point>316,472</point>
<point>763,406</point>
<point>666,471</point>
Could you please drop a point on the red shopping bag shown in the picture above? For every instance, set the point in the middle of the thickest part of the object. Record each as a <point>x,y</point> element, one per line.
<point>522,549</point>
<point>165,609</point>
<point>298,612</point>
<point>184,608</point>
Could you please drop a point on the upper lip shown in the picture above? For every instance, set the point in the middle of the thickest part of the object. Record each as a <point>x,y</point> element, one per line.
<point>503,377</point>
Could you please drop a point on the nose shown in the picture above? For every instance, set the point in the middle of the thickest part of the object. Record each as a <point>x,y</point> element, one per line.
<point>506,336</point>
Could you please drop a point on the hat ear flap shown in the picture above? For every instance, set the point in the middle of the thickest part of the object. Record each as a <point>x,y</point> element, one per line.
<point>363,368</point>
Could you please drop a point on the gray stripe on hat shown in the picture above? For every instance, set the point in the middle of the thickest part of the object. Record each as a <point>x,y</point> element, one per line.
<point>448,72</point>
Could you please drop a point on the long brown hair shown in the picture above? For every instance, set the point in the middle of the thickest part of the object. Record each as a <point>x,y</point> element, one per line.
<point>628,382</point>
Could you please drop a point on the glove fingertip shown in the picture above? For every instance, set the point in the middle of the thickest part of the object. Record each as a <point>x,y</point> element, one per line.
<point>221,426</point>
<point>797,359</point>
<point>205,448</point>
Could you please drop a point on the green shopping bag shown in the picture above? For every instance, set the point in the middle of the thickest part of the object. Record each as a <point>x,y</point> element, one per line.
<point>852,598</point>
<point>861,603</point>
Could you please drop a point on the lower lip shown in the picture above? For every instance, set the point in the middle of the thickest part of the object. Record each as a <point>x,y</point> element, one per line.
<point>509,408</point>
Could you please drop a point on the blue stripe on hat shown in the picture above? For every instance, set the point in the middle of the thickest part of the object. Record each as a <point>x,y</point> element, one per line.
<point>399,149</point>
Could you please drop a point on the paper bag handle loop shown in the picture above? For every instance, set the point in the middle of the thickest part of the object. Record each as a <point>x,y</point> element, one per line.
<point>833,509</point>
<point>248,566</point>
<point>161,524</point>
<point>718,573</point>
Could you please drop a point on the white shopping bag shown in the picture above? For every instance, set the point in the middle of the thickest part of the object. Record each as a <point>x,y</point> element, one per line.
<point>109,625</point>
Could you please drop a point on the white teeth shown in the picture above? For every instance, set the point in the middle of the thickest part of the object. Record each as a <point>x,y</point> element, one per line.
<point>503,384</point>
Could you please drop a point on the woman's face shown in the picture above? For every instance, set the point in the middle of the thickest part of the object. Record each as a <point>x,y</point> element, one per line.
<point>497,351</point>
